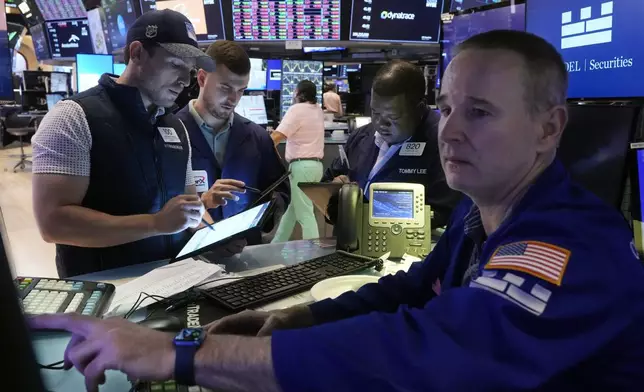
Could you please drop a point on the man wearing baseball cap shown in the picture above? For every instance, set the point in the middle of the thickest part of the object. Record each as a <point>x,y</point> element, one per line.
<point>113,181</point>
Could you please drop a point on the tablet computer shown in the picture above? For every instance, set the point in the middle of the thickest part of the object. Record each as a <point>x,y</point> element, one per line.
<point>205,238</point>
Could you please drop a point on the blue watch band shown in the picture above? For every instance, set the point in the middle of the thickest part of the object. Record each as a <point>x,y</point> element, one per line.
<point>186,344</point>
<point>184,364</point>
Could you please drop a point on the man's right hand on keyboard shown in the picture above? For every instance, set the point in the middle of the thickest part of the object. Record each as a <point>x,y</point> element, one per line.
<point>253,323</point>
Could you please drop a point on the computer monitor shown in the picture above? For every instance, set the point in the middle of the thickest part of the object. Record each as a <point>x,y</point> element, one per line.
<point>41,46</point>
<point>67,38</point>
<point>253,108</point>
<point>322,49</point>
<point>464,26</point>
<point>59,82</point>
<point>362,121</point>
<point>61,9</point>
<point>15,33</point>
<point>594,148</point>
<point>52,100</point>
<point>21,373</point>
<point>462,5</point>
<point>98,31</point>
<point>396,21</point>
<point>90,67</point>
<point>293,72</point>
<point>286,20</point>
<point>206,16</point>
<point>598,41</point>
<point>119,16</point>
<point>6,80</point>
<point>273,74</point>
<point>257,74</point>
<point>118,69</point>
<point>148,5</point>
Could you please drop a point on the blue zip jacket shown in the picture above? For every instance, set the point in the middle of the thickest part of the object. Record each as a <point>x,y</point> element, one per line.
<point>555,303</point>
<point>250,157</point>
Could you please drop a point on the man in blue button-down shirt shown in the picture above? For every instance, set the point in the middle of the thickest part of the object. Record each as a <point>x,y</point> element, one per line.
<point>534,286</point>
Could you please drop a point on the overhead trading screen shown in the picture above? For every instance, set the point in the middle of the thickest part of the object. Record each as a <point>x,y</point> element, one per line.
<point>294,71</point>
<point>396,20</point>
<point>67,38</point>
<point>286,20</point>
<point>598,40</point>
<point>61,9</point>
<point>205,15</point>
<point>462,5</point>
<point>120,15</point>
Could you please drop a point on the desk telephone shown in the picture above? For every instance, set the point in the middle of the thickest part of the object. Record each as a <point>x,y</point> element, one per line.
<point>395,219</point>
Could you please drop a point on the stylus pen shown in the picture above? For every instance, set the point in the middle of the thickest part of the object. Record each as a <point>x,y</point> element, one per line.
<point>205,222</point>
<point>251,189</point>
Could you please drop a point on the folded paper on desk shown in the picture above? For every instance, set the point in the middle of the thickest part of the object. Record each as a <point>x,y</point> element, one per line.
<point>164,281</point>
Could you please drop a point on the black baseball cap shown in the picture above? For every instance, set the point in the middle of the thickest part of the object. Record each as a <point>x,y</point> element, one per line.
<point>173,32</point>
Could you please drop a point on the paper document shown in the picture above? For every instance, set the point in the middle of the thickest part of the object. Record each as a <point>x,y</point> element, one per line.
<point>164,281</point>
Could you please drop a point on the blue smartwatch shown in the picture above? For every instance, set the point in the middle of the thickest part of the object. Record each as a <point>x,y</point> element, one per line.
<point>186,344</point>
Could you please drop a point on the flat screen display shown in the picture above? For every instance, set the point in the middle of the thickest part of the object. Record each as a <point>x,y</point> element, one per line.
<point>462,5</point>
<point>396,20</point>
<point>594,148</point>
<point>148,5</point>
<point>294,71</point>
<point>41,46</point>
<point>253,108</point>
<point>67,38</point>
<point>61,9</point>
<point>273,74</point>
<point>90,67</point>
<point>6,80</point>
<point>596,40</point>
<point>224,230</point>
<point>52,100</point>
<point>98,31</point>
<point>58,82</point>
<point>286,20</point>
<point>257,74</point>
<point>15,33</point>
<point>465,26</point>
<point>205,15</point>
<point>118,69</point>
<point>119,16</point>
<point>393,204</point>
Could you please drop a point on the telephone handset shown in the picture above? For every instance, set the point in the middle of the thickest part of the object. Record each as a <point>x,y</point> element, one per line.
<point>395,219</point>
<point>349,220</point>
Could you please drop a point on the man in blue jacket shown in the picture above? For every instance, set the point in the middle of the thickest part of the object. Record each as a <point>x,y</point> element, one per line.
<point>400,144</point>
<point>228,150</point>
<point>535,285</point>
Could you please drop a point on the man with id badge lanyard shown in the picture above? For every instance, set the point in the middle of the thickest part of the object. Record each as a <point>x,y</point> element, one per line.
<point>400,144</point>
<point>113,182</point>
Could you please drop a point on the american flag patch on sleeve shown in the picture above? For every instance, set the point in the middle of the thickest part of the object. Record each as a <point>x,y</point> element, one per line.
<point>540,259</point>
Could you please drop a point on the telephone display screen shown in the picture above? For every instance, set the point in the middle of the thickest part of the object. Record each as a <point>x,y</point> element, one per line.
<point>224,229</point>
<point>393,204</point>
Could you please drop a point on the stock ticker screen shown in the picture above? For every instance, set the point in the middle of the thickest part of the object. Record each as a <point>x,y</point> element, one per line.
<point>286,20</point>
<point>61,9</point>
<point>396,20</point>
<point>294,71</point>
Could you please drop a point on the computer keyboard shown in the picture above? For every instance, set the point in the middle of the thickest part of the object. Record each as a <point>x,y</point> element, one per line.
<point>270,286</point>
<point>43,295</point>
<point>166,386</point>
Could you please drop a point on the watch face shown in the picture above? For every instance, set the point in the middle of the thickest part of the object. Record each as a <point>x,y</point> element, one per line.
<point>190,336</point>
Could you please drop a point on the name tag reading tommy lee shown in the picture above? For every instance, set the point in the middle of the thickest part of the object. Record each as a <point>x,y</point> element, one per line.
<point>412,149</point>
<point>169,135</point>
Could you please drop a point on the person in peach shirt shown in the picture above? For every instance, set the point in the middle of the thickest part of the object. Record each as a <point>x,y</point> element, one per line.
<point>303,129</point>
<point>332,101</point>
